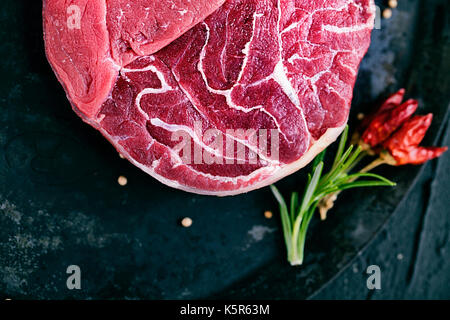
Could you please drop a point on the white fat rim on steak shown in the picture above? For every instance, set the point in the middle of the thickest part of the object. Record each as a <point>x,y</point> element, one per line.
<point>273,174</point>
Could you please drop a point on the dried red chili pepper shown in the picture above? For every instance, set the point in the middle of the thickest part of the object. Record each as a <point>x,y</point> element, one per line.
<point>393,101</point>
<point>391,115</point>
<point>403,145</point>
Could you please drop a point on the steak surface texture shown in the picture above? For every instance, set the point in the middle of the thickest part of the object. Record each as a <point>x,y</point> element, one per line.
<point>211,97</point>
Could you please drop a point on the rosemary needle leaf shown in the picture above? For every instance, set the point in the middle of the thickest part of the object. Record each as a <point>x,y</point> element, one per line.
<point>351,159</point>
<point>294,205</point>
<point>360,184</point>
<point>278,195</point>
<point>311,188</point>
<point>355,176</point>
<point>318,159</point>
<point>341,148</point>
<point>285,219</point>
<point>337,170</point>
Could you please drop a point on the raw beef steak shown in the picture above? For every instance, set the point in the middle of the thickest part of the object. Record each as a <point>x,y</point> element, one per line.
<point>246,97</point>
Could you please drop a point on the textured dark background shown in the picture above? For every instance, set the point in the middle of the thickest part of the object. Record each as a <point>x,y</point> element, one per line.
<point>60,203</point>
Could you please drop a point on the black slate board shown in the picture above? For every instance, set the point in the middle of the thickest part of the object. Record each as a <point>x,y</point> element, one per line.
<point>60,203</point>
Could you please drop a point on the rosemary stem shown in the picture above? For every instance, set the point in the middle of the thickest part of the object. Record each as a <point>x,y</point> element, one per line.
<point>322,191</point>
<point>294,256</point>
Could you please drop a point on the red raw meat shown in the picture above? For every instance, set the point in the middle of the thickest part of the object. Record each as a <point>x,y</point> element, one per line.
<point>282,67</point>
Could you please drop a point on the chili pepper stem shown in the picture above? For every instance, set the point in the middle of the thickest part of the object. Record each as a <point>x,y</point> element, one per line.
<point>374,164</point>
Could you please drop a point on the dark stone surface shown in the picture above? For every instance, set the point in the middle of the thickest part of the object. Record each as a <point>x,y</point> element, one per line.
<point>60,203</point>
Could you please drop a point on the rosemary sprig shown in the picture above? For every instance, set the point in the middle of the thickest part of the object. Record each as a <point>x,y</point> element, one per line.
<point>296,219</point>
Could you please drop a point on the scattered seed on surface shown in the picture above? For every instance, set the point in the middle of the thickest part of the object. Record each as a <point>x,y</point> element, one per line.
<point>268,214</point>
<point>122,181</point>
<point>400,256</point>
<point>387,13</point>
<point>393,3</point>
<point>186,222</point>
<point>361,116</point>
<point>121,156</point>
